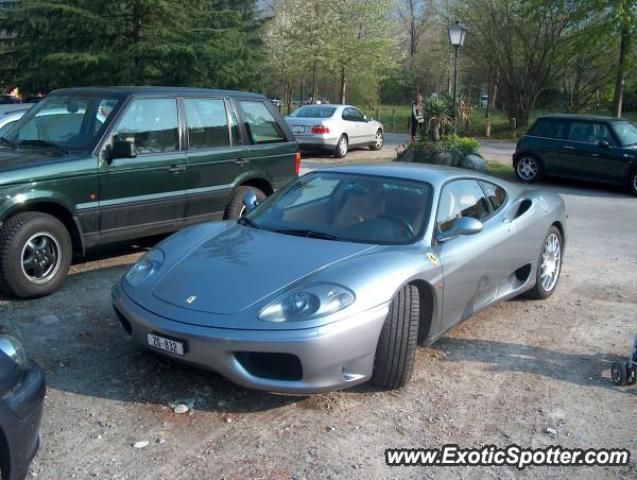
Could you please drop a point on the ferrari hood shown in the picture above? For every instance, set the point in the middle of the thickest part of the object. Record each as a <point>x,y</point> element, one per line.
<point>241,265</point>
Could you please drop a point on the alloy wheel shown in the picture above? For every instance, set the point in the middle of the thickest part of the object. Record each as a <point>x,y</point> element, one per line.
<point>551,262</point>
<point>41,257</point>
<point>379,140</point>
<point>527,168</point>
<point>342,146</point>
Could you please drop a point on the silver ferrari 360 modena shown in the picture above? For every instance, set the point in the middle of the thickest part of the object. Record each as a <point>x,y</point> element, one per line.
<point>336,279</point>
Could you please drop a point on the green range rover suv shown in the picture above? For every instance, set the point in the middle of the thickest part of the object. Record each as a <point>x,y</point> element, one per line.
<point>579,146</point>
<point>89,166</point>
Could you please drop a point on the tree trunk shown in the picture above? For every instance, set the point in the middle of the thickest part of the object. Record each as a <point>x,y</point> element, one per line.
<point>314,81</point>
<point>343,84</point>
<point>621,67</point>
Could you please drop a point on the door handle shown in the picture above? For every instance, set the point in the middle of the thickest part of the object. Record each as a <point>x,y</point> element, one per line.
<point>176,168</point>
<point>594,154</point>
<point>241,162</point>
<point>568,147</point>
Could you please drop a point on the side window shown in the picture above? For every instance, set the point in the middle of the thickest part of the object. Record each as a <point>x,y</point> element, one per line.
<point>590,132</point>
<point>207,123</point>
<point>496,195</point>
<point>548,128</point>
<point>260,124</point>
<point>151,124</point>
<point>357,115</point>
<point>104,110</point>
<point>461,198</point>
<point>348,114</point>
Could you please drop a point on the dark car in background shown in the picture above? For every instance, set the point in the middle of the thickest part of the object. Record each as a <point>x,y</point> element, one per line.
<point>22,390</point>
<point>90,166</point>
<point>581,147</point>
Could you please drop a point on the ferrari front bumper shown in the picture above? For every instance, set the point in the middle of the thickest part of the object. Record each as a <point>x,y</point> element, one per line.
<point>297,361</point>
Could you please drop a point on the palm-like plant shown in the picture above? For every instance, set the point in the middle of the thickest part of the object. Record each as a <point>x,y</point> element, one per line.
<point>437,116</point>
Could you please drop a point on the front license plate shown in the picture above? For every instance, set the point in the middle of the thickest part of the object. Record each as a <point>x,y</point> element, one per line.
<point>165,344</point>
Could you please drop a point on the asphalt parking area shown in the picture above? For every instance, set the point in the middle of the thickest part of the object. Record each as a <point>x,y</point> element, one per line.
<point>503,377</point>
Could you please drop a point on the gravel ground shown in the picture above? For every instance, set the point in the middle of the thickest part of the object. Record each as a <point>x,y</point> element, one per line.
<point>502,377</point>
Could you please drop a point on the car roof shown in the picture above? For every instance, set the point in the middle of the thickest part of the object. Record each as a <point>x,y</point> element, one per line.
<point>435,175</point>
<point>574,116</point>
<point>156,91</point>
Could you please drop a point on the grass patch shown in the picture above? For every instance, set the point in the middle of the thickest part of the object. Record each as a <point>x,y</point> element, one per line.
<point>502,171</point>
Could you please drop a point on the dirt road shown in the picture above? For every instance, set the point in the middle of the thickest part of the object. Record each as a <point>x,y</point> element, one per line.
<point>503,377</point>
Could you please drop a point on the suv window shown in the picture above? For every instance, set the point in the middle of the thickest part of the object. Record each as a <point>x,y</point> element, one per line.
<point>461,198</point>
<point>548,128</point>
<point>151,124</point>
<point>496,195</point>
<point>589,132</point>
<point>207,123</point>
<point>260,124</point>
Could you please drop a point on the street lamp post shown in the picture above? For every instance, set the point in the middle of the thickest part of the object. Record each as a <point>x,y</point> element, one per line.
<point>457,33</point>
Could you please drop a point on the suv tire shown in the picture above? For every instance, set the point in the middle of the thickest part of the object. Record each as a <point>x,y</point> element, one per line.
<point>236,207</point>
<point>35,254</point>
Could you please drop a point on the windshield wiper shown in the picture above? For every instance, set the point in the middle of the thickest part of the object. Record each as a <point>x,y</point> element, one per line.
<point>44,143</point>
<point>7,141</point>
<point>310,234</point>
<point>248,222</point>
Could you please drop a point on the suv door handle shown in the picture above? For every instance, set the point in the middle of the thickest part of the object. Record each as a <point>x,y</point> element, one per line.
<point>176,168</point>
<point>568,147</point>
<point>594,154</point>
<point>242,162</point>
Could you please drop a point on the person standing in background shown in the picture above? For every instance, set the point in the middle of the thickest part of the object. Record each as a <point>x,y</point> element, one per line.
<point>417,117</point>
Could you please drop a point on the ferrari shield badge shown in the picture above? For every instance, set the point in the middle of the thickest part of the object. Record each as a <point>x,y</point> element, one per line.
<point>433,259</point>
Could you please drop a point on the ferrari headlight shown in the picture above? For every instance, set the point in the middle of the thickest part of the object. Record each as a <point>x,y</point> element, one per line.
<point>145,267</point>
<point>307,303</point>
<point>13,349</point>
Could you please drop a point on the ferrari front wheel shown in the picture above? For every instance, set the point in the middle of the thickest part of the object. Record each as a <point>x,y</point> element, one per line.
<point>398,340</point>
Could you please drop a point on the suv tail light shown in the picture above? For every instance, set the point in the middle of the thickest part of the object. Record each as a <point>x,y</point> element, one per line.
<point>320,129</point>
<point>297,162</point>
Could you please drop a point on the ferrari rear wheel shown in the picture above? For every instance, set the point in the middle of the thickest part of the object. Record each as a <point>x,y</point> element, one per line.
<point>549,265</point>
<point>398,340</point>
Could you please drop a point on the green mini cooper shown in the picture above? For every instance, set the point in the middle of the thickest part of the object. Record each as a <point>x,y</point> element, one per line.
<point>90,166</point>
<point>578,146</point>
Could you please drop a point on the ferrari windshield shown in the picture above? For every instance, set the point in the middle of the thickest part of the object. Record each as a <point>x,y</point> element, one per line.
<point>348,207</point>
<point>64,122</point>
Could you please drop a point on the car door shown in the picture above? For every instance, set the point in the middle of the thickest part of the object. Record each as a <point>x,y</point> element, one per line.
<point>355,124</point>
<point>596,153</point>
<point>215,156</point>
<point>271,149</point>
<point>547,139</point>
<point>145,194</point>
<point>474,266</point>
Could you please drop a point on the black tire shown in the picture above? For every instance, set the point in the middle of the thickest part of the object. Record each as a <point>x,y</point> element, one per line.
<point>539,291</point>
<point>398,340</point>
<point>342,147</point>
<point>235,207</point>
<point>631,374</point>
<point>528,168</point>
<point>618,373</point>
<point>376,145</point>
<point>20,281</point>
<point>633,183</point>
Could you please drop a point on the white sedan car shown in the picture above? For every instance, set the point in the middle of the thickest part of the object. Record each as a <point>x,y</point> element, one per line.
<point>10,114</point>
<point>335,128</point>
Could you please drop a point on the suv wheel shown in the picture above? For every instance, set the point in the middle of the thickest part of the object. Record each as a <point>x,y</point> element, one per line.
<point>633,183</point>
<point>236,208</point>
<point>528,168</point>
<point>35,254</point>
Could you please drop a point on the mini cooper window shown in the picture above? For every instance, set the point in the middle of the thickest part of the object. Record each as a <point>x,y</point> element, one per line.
<point>207,123</point>
<point>152,125</point>
<point>260,124</point>
<point>348,207</point>
<point>496,195</point>
<point>548,128</point>
<point>461,198</point>
<point>589,132</point>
